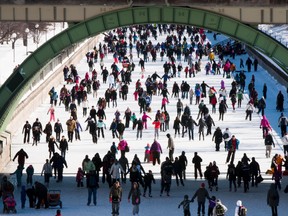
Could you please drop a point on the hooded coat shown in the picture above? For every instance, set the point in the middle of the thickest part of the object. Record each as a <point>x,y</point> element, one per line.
<point>238,204</point>
<point>272,196</point>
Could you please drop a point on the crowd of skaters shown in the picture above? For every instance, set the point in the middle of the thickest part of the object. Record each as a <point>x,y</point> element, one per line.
<point>176,44</point>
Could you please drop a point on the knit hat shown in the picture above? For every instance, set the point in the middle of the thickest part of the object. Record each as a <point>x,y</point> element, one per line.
<point>203,185</point>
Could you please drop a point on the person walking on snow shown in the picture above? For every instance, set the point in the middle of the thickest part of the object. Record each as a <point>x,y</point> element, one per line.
<point>52,113</point>
<point>197,165</point>
<point>233,144</point>
<point>265,125</point>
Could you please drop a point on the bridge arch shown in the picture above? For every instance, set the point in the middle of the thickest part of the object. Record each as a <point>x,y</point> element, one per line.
<point>18,83</point>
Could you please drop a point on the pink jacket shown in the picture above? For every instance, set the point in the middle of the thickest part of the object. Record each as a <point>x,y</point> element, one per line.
<point>265,122</point>
<point>122,144</point>
<point>164,101</point>
<point>144,117</point>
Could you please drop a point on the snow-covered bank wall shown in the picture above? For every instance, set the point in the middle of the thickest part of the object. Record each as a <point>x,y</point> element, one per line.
<point>38,93</point>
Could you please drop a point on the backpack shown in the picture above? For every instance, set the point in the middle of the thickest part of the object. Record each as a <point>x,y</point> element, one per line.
<point>242,211</point>
<point>219,210</point>
<point>225,135</point>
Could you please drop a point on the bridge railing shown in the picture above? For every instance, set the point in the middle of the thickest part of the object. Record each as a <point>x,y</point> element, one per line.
<point>154,2</point>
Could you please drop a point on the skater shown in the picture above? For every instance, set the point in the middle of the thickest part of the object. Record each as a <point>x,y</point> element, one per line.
<point>201,195</point>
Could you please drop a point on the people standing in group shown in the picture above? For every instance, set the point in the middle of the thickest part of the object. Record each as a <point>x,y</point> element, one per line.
<point>135,194</point>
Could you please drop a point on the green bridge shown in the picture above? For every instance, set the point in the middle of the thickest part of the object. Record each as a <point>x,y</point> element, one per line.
<point>17,84</point>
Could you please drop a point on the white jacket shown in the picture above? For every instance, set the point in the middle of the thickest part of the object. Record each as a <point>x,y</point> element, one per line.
<point>115,170</point>
<point>238,204</point>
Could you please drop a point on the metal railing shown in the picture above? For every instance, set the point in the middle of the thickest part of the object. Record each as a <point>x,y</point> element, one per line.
<point>167,2</point>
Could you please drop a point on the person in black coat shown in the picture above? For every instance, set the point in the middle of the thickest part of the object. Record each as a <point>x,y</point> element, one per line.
<point>148,179</point>
<point>120,128</point>
<point>197,165</point>
<point>51,146</point>
<point>41,194</point>
<point>209,122</point>
<point>93,130</point>
<point>58,129</point>
<point>190,127</point>
<point>183,162</point>
<point>30,192</point>
<point>58,163</point>
<point>36,131</point>
<point>231,175</point>
<point>249,64</point>
<point>177,167</point>
<point>222,109</point>
<point>92,185</point>
<point>255,63</point>
<point>21,154</point>
<point>176,126</point>
<point>217,138</point>
<point>255,171</point>
<point>26,130</point>
<point>63,146</point>
<point>280,102</point>
<point>48,131</point>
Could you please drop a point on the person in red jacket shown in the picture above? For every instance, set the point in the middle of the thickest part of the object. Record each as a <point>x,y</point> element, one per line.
<point>156,124</point>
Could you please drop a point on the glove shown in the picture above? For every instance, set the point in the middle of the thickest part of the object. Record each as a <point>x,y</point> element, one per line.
<point>192,200</point>
<point>110,199</point>
<point>178,206</point>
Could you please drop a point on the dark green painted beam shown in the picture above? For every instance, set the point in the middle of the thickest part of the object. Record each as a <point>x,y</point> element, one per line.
<point>17,84</point>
